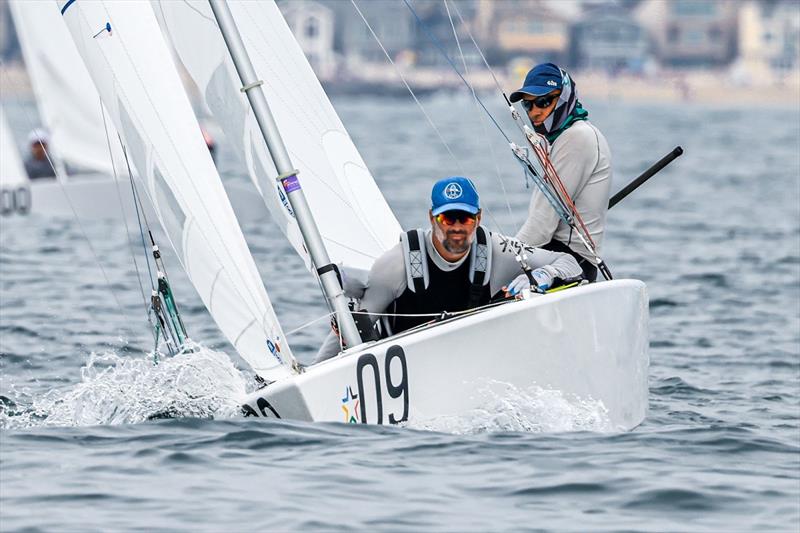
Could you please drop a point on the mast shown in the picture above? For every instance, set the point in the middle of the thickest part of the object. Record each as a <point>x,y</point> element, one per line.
<point>287,174</point>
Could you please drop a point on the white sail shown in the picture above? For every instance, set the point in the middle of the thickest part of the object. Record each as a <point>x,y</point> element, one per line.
<point>129,61</point>
<point>354,219</point>
<point>12,171</point>
<point>68,102</point>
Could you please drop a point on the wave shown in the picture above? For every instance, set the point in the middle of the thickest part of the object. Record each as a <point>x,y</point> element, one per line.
<point>532,410</point>
<point>197,383</point>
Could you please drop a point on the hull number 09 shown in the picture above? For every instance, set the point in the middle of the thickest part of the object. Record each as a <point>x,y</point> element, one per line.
<point>396,386</point>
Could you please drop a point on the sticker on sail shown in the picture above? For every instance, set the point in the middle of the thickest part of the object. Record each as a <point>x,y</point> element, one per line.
<point>285,201</point>
<point>275,350</point>
<point>350,406</point>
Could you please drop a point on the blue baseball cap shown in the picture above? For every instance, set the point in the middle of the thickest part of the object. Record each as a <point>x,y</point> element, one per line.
<point>454,193</point>
<point>541,79</point>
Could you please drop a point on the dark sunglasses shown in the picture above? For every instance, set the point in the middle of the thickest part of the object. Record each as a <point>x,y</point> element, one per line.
<point>449,218</point>
<point>541,102</point>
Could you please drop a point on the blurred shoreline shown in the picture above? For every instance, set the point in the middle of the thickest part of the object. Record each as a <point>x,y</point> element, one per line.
<point>703,87</point>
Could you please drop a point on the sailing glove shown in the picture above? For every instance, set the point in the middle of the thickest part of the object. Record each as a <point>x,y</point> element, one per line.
<point>541,277</point>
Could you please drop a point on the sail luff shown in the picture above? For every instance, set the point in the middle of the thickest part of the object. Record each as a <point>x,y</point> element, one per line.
<point>132,69</point>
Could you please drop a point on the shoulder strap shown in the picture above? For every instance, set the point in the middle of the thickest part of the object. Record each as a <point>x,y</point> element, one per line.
<point>480,260</point>
<point>416,260</point>
<point>480,265</point>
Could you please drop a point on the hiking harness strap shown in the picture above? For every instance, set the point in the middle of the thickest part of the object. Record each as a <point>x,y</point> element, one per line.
<point>415,256</point>
<point>417,276</point>
<point>480,265</point>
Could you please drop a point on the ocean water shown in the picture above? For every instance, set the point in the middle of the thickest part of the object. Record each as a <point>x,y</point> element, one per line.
<point>95,436</point>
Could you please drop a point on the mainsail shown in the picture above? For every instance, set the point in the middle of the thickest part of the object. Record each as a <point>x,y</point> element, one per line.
<point>354,219</point>
<point>130,63</point>
<point>68,102</point>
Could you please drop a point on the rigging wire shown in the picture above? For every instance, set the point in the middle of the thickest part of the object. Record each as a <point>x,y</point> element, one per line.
<point>124,218</point>
<point>439,45</point>
<point>480,52</point>
<point>482,123</point>
<point>72,207</point>
<point>408,87</point>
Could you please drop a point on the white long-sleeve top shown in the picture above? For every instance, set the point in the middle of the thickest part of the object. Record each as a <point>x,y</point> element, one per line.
<point>582,159</point>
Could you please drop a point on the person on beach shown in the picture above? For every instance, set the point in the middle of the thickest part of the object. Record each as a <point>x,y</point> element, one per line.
<point>580,156</point>
<point>36,163</point>
<point>452,266</point>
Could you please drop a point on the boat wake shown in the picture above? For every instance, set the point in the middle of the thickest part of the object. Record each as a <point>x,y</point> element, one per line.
<point>505,407</point>
<point>201,383</point>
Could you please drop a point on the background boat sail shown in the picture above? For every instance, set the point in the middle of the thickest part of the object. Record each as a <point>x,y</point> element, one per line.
<point>573,342</point>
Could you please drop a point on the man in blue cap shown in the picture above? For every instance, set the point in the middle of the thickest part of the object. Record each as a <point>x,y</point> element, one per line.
<point>580,156</point>
<point>454,265</point>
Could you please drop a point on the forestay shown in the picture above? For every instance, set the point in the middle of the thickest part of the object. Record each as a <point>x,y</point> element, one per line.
<point>354,219</point>
<point>68,102</point>
<point>130,64</point>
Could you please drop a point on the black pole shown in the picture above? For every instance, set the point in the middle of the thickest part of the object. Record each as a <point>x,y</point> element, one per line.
<point>646,175</point>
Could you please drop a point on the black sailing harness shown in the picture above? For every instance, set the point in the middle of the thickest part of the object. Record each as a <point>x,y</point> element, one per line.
<point>421,297</point>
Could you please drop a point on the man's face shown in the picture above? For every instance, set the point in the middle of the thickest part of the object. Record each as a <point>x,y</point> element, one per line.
<point>455,230</point>
<point>540,107</point>
<point>38,150</point>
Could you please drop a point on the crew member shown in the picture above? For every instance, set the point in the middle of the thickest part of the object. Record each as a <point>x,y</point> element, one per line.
<point>580,156</point>
<point>36,163</point>
<point>453,266</point>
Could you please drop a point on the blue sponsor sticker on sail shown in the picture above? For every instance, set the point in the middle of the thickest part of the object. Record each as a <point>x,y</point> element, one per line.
<point>291,184</point>
<point>275,350</point>
<point>285,201</point>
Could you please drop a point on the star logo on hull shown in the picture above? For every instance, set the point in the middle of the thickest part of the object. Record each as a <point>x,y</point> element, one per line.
<point>350,406</point>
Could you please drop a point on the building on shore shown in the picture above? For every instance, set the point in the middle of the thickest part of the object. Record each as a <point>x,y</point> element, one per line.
<point>691,33</point>
<point>769,42</point>
<point>533,32</point>
<point>313,25</point>
<point>607,38</point>
<point>391,23</point>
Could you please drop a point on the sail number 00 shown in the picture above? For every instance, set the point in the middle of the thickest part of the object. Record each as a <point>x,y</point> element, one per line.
<point>394,390</point>
<point>16,200</point>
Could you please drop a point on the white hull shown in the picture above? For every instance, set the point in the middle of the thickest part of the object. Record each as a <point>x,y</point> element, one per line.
<point>98,197</point>
<point>589,342</point>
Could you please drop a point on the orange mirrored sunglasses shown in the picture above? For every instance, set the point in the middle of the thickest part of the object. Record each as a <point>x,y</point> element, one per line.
<point>449,218</point>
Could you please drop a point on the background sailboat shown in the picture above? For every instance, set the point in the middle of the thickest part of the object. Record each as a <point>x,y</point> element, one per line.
<point>84,148</point>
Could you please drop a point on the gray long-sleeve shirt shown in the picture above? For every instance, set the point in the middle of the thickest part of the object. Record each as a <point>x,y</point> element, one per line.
<point>387,278</point>
<point>582,159</point>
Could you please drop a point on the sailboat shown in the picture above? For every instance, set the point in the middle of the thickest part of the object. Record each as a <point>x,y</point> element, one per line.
<point>589,342</point>
<point>91,177</point>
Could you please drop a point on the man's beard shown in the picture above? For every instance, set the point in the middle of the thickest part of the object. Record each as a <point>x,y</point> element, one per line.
<point>452,246</point>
